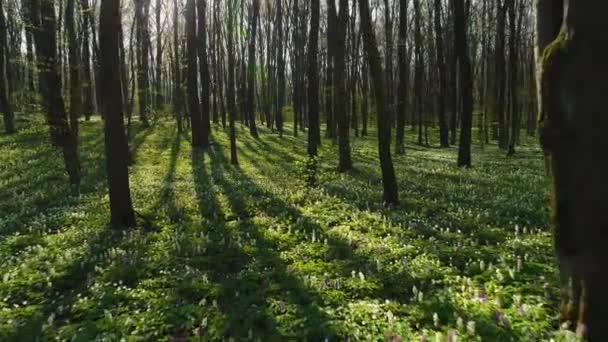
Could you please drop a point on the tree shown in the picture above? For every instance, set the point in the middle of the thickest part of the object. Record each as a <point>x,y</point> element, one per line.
<point>443,121</point>
<point>418,67</point>
<point>466,84</point>
<point>573,126</point>
<point>5,107</point>
<point>403,77</point>
<point>389,181</point>
<point>314,131</point>
<point>87,88</point>
<point>340,21</point>
<point>251,70</point>
<point>74,63</point>
<point>62,135</point>
<point>231,92</point>
<point>501,73</point>
<point>192,84</point>
<point>177,89</point>
<point>142,8</point>
<point>159,56</point>
<point>280,70</point>
<point>204,69</point>
<point>117,149</point>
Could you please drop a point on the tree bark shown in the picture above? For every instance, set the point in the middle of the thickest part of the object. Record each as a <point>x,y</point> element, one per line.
<point>573,135</point>
<point>203,70</point>
<point>403,77</point>
<point>231,85</point>
<point>192,82</point>
<point>314,132</point>
<point>251,70</point>
<point>117,149</point>
<point>340,94</point>
<point>466,85</point>
<point>389,181</point>
<point>5,106</point>
<point>50,87</point>
<point>74,64</point>
<point>443,121</point>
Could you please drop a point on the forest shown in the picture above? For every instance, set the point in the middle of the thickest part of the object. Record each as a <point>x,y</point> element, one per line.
<point>317,170</point>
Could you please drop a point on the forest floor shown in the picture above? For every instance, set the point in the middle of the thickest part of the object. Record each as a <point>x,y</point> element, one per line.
<point>251,253</point>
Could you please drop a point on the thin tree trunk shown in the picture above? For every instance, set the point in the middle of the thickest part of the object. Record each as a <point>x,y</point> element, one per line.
<point>192,74</point>
<point>403,77</point>
<point>251,70</point>
<point>314,132</point>
<point>204,70</point>
<point>389,181</point>
<point>5,106</point>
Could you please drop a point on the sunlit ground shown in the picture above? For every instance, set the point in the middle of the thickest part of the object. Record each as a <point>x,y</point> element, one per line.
<point>253,254</point>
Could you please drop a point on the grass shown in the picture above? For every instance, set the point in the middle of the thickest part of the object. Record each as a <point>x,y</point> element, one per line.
<point>251,253</point>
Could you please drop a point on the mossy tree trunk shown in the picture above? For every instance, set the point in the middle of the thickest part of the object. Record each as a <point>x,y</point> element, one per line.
<point>573,123</point>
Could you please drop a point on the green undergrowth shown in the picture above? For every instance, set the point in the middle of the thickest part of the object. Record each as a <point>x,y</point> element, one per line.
<point>252,253</point>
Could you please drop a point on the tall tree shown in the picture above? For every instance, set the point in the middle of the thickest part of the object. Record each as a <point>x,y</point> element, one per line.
<point>418,67</point>
<point>142,8</point>
<point>192,82</point>
<point>177,89</point>
<point>231,91</point>
<point>389,181</point>
<point>87,86</point>
<point>500,109</point>
<point>74,63</point>
<point>117,150</point>
<point>251,69</point>
<point>403,77</point>
<point>314,131</point>
<point>443,121</point>
<point>203,69</point>
<point>5,107</point>
<point>158,99</point>
<point>280,69</point>
<point>466,84</point>
<point>573,126</point>
<point>340,95</point>
<point>62,135</point>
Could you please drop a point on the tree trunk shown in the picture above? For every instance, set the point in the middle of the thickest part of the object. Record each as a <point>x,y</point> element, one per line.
<point>74,63</point>
<point>501,75</point>
<point>159,57</point>
<point>192,82</point>
<point>340,95</point>
<point>466,84</point>
<point>314,131</point>
<point>141,17</point>
<point>280,70</point>
<point>251,70</point>
<point>231,85</point>
<point>204,70</point>
<point>419,68</point>
<point>573,135</point>
<point>403,77</point>
<point>443,121</point>
<point>389,181</point>
<point>117,149</point>
<point>50,87</point>
<point>5,107</point>
<point>87,88</point>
